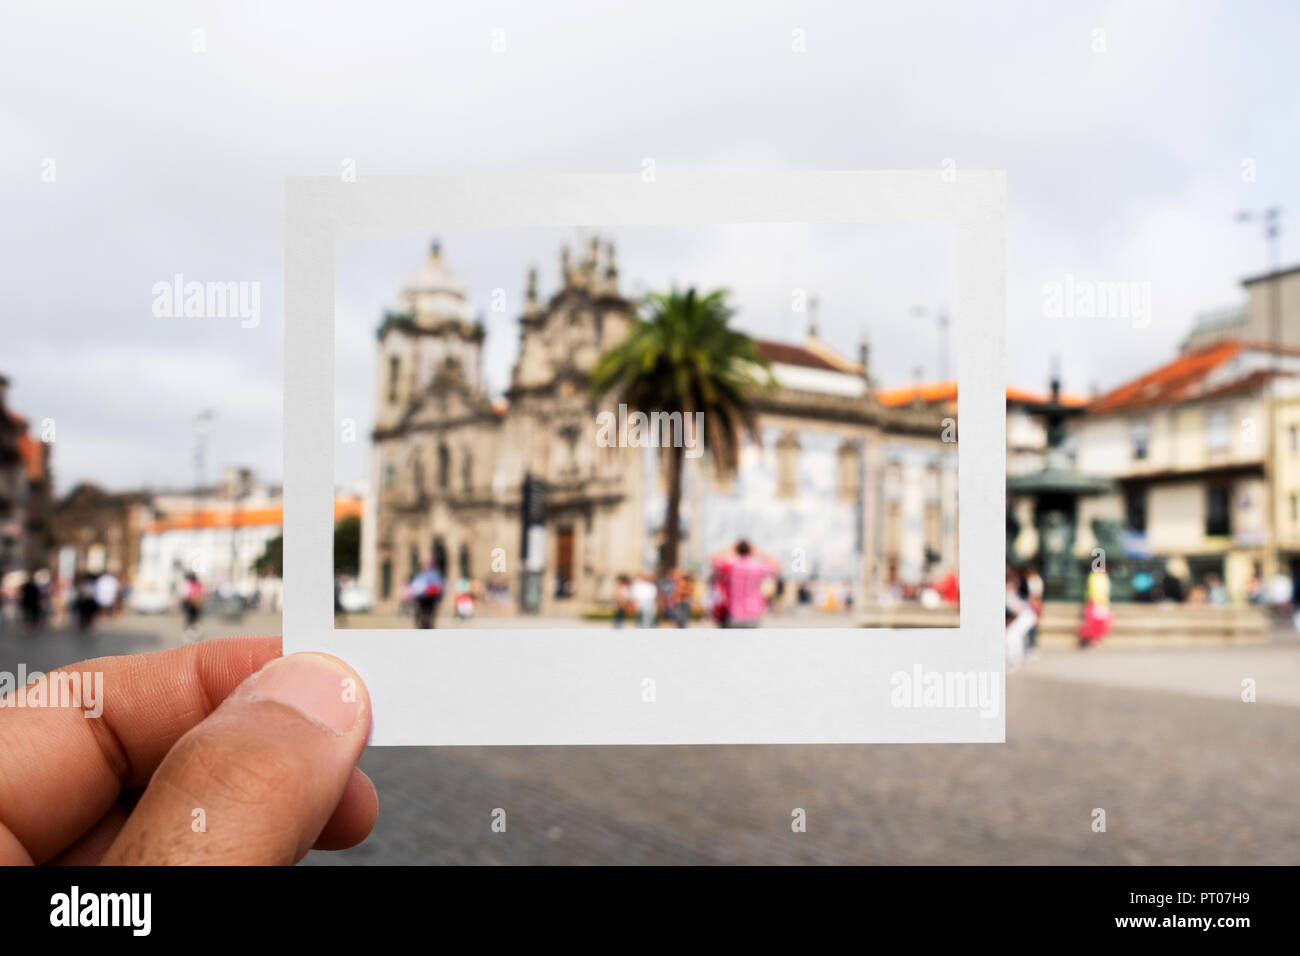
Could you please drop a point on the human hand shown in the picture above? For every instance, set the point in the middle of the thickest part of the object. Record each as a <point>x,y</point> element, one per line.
<point>259,749</point>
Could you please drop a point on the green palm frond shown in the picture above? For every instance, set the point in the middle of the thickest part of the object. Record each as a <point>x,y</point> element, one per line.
<point>682,355</point>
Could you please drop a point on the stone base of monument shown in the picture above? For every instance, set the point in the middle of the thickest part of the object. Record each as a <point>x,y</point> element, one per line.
<point>1159,625</point>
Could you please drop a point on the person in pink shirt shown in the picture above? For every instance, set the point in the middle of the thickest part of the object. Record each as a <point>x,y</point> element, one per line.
<point>742,573</point>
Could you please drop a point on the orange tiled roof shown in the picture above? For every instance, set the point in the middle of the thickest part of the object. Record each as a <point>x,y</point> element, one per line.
<point>932,392</point>
<point>1170,382</point>
<point>1015,394</point>
<point>1184,377</point>
<point>928,392</point>
<point>33,457</point>
<point>250,518</point>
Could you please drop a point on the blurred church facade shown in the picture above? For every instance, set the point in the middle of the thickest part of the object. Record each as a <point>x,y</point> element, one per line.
<point>843,487</point>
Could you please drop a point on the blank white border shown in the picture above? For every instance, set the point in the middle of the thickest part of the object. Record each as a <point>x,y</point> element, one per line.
<point>552,686</point>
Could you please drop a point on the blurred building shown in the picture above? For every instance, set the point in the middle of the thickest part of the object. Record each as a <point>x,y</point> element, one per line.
<point>222,545</point>
<point>216,532</point>
<point>96,531</point>
<point>1286,476</point>
<point>25,495</point>
<point>842,486</point>
<point>1190,446</point>
<point>1267,295</point>
<point>1026,439</point>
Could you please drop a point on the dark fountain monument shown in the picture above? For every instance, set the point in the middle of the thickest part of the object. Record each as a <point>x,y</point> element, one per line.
<point>1056,489</point>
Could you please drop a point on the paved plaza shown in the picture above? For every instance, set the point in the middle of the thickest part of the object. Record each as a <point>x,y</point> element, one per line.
<point>1186,771</point>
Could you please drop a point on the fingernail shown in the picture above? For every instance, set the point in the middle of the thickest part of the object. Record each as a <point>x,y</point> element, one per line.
<point>316,686</point>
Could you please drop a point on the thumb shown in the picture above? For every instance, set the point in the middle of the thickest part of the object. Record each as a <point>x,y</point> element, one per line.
<point>256,782</point>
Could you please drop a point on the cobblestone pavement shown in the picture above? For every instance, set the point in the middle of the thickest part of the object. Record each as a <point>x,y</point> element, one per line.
<point>1186,772</point>
<point>1183,780</point>
<point>123,634</point>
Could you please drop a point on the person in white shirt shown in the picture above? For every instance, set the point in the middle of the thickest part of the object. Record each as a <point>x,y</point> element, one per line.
<point>644,596</point>
<point>1020,618</point>
<point>106,588</point>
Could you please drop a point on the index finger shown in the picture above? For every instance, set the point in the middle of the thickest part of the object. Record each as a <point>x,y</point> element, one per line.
<point>61,770</point>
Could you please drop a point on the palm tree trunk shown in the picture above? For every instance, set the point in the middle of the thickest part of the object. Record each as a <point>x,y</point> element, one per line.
<point>672,522</point>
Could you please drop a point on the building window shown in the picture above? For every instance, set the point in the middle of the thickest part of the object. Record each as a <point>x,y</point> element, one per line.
<point>1140,436</point>
<point>390,475</point>
<point>894,477</point>
<point>1218,511</point>
<point>893,530</point>
<point>1294,513</point>
<point>444,467</point>
<point>1135,509</point>
<point>386,580</point>
<point>1216,429</point>
<point>467,472</point>
<point>848,466</point>
<point>1295,439</point>
<point>569,435</point>
<point>394,368</point>
<point>787,466</point>
<point>464,561</point>
<point>418,473</point>
<point>932,481</point>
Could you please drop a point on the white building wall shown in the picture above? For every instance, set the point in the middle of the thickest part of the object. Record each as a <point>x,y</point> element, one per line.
<point>1176,516</point>
<point>1104,446</point>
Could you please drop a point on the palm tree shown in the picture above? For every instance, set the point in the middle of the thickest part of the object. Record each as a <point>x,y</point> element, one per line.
<point>681,355</point>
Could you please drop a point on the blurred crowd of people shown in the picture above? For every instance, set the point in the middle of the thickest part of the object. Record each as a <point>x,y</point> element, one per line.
<point>938,588</point>
<point>39,600</point>
<point>742,584</point>
<point>1024,611</point>
<point>423,596</point>
<point>742,587</point>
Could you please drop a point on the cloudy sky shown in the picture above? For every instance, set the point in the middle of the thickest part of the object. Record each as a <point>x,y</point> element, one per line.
<point>133,148</point>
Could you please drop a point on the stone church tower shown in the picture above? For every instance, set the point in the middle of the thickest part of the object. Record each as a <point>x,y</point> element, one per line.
<point>449,464</point>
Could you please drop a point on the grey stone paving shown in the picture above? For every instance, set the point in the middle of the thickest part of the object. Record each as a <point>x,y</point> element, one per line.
<point>1186,774</point>
<point>1183,780</point>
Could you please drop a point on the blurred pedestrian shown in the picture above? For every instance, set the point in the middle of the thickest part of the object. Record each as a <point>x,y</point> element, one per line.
<point>645,598</point>
<point>1020,618</point>
<point>718,599</point>
<point>1215,592</point>
<point>1097,619</point>
<point>949,589</point>
<point>1033,593</point>
<point>426,592</point>
<point>1255,590</point>
<point>623,605</point>
<point>31,600</point>
<point>192,605</point>
<point>84,606</point>
<point>464,607</point>
<point>106,591</point>
<point>679,601</point>
<point>745,573</point>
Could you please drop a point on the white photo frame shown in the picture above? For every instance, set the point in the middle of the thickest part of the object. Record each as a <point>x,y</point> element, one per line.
<point>554,686</point>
